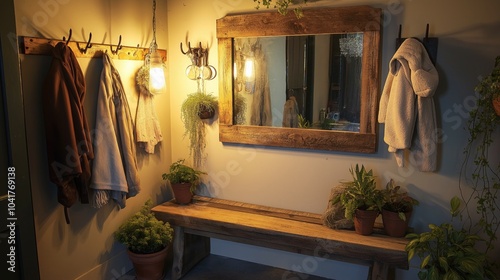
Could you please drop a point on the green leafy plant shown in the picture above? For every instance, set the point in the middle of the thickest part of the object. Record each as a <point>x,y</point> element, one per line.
<point>396,200</point>
<point>303,122</point>
<point>181,173</point>
<point>484,179</point>
<point>281,5</point>
<point>360,193</point>
<point>194,105</point>
<point>449,253</point>
<point>143,233</point>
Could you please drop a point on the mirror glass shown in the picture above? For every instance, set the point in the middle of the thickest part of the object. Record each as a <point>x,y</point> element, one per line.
<point>309,83</point>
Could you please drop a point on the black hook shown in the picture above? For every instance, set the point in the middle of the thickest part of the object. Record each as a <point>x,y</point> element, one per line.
<point>88,46</point>
<point>427,32</point>
<point>69,37</point>
<point>118,47</point>
<point>189,48</point>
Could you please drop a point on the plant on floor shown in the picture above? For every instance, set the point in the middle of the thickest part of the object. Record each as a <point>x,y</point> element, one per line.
<point>143,233</point>
<point>484,179</point>
<point>147,240</point>
<point>449,253</point>
<point>194,109</point>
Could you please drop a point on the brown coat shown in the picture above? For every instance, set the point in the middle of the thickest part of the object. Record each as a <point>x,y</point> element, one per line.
<point>69,146</point>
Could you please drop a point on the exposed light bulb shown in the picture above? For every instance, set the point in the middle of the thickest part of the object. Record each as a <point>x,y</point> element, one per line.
<point>156,74</point>
<point>249,68</point>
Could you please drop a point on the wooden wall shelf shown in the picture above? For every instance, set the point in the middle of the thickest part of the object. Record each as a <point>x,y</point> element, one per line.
<point>43,46</point>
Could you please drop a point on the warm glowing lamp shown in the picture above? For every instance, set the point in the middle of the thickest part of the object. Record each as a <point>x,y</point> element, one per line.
<point>156,73</point>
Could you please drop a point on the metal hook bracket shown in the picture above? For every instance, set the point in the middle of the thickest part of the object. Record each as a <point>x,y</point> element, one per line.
<point>88,46</point>
<point>118,47</point>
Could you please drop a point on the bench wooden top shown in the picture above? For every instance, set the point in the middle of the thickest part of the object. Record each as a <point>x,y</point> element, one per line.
<point>294,231</point>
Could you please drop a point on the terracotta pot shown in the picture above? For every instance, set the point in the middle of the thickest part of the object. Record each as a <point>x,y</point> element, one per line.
<point>182,193</point>
<point>149,266</point>
<point>393,225</point>
<point>204,113</point>
<point>496,105</point>
<point>364,221</point>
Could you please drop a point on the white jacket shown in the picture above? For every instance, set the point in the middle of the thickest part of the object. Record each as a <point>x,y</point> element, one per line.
<point>407,106</point>
<point>114,171</point>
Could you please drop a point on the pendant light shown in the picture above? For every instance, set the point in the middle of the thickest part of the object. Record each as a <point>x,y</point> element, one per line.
<point>156,73</point>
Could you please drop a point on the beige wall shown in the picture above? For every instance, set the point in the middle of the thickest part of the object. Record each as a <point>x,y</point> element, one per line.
<point>85,249</point>
<point>302,179</point>
<point>293,179</point>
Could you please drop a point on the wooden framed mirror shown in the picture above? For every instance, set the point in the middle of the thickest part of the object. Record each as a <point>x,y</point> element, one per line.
<point>358,26</point>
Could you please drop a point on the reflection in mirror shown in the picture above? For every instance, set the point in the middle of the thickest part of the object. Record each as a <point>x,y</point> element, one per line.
<point>299,81</point>
<point>311,82</point>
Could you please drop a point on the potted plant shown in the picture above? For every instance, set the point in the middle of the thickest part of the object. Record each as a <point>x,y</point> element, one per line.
<point>183,180</point>
<point>449,253</point>
<point>197,107</point>
<point>147,240</point>
<point>396,210</point>
<point>361,200</point>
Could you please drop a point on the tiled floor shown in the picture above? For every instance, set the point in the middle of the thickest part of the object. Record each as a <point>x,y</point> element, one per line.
<point>216,267</point>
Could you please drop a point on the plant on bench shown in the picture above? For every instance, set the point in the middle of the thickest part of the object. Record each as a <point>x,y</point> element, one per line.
<point>361,199</point>
<point>184,180</point>
<point>396,210</point>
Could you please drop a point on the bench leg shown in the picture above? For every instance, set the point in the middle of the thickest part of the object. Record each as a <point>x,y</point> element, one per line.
<point>178,251</point>
<point>381,271</point>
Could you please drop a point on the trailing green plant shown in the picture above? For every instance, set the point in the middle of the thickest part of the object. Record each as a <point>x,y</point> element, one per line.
<point>143,233</point>
<point>484,176</point>
<point>181,173</point>
<point>360,193</point>
<point>281,6</point>
<point>396,200</point>
<point>449,253</point>
<point>195,104</point>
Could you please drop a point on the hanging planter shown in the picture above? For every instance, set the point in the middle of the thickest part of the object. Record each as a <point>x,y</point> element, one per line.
<point>496,105</point>
<point>195,108</point>
<point>206,112</point>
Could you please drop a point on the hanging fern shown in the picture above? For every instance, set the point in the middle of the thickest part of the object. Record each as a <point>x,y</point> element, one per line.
<point>194,104</point>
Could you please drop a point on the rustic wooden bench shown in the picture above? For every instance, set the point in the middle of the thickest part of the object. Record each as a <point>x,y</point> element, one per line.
<point>293,231</point>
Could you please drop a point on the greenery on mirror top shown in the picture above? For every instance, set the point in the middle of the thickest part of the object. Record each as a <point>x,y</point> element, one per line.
<point>481,168</point>
<point>281,5</point>
<point>143,233</point>
<point>194,126</point>
<point>360,193</point>
<point>449,253</point>
<point>396,200</point>
<point>181,173</point>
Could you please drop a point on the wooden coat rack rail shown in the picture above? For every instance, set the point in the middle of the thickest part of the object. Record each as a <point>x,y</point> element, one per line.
<point>43,46</point>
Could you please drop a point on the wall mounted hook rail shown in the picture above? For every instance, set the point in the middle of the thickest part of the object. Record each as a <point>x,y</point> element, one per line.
<point>44,46</point>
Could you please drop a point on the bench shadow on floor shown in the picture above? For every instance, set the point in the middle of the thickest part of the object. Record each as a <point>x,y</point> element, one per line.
<point>215,267</point>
